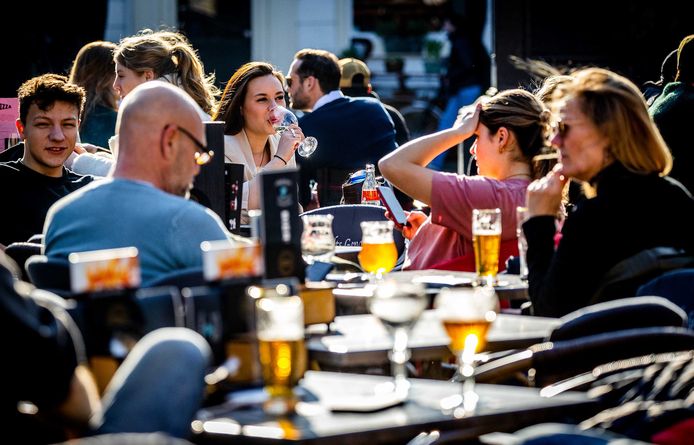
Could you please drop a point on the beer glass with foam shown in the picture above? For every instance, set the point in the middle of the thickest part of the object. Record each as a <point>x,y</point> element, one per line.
<point>466,315</point>
<point>486,242</point>
<point>378,253</point>
<point>280,330</point>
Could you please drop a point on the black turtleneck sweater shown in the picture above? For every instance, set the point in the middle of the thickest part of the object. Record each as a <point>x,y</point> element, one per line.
<point>630,213</point>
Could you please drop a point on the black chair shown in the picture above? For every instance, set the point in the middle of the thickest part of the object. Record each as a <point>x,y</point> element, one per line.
<point>617,315</point>
<point>21,252</point>
<point>677,286</point>
<point>38,238</point>
<point>555,361</point>
<point>628,275</point>
<point>49,273</point>
<point>346,226</point>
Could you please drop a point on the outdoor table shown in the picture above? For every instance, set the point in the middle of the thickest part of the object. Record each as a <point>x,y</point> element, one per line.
<point>342,408</point>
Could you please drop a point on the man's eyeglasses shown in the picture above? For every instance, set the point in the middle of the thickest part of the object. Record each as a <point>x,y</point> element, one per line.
<point>289,80</point>
<point>203,155</point>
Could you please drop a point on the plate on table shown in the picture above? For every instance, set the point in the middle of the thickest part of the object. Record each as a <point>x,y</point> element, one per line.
<point>362,394</point>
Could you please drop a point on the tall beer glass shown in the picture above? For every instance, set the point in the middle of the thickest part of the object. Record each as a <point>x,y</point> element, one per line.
<point>280,327</point>
<point>486,241</point>
<point>378,253</point>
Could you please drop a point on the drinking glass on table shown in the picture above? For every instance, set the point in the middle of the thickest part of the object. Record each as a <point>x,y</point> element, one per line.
<point>466,315</point>
<point>280,330</point>
<point>282,119</point>
<point>378,253</point>
<point>521,217</point>
<point>317,239</point>
<point>486,242</point>
<point>399,306</point>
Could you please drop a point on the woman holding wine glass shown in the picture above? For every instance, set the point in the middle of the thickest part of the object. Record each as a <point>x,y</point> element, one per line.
<point>249,107</point>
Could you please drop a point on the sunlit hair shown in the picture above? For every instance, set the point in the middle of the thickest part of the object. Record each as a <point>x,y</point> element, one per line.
<point>45,90</point>
<point>524,115</point>
<point>617,108</point>
<point>549,86</point>
<point>170,56</point>
<point>94,70</point>
<point>234,94</point>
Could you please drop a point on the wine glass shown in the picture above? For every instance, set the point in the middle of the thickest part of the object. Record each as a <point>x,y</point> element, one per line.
<point>282,118</point>
<point>399,306</point>
<point>378,254</point>
<point>317,239</point>
<point>466,314</point>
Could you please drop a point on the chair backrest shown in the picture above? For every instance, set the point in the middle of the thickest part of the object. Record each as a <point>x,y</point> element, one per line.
<point>629,274</point>
<point>21,252</point>
<point>49,273</point>
<point>346,221</point>
<point>677,286</point>
<point>617,315</point>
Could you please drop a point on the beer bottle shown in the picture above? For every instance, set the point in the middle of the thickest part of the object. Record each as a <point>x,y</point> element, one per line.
<point>369,194</point>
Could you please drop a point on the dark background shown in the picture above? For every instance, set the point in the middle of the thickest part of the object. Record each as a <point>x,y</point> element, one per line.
<point>630,37</point>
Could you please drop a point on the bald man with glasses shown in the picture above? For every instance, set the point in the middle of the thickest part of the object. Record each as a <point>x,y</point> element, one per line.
<point>162,147</point>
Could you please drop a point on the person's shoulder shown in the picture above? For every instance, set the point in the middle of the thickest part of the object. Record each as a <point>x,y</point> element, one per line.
<point>9,168</point>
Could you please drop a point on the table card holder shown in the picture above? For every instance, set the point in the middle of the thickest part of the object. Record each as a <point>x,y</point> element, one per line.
<point>103,270</point>
<point>280,226</point>
<point>223,260</point>
<point>208,186</point>
<point>233,195</point>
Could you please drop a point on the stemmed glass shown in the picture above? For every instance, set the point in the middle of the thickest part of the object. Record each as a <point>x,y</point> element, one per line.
<point>378,253</point>
<point>282,118</point>
<point>466,314</point>
<point>317,239</point>
<point>399,306</point>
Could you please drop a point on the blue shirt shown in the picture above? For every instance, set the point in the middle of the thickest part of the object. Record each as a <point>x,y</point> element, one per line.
<point>166,229</point>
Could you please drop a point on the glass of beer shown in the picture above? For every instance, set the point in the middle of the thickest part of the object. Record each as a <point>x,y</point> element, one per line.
<point>466,315</point>
<point>378,254</point>
<point>280,329</point>
<point>486,241</point>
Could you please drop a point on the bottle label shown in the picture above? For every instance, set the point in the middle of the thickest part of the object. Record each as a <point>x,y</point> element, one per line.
<point>370,197</point>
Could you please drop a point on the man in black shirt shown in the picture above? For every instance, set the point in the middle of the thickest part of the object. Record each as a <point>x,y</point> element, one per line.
<point>49,113</point>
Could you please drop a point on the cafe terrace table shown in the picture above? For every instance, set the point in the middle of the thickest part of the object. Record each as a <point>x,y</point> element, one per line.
<point>364,341</point>
<point>351,297</point>
<point>319,420</point>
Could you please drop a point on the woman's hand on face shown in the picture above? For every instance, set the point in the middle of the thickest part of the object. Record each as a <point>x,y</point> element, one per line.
<point>289,141</point>
<point>544,195</point>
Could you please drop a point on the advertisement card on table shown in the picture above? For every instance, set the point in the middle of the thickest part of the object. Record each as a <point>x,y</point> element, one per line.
<point>102,270</point>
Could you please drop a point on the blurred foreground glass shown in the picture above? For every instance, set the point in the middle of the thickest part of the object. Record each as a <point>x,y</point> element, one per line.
<point>280,327</point>
<point>399,306</point>
<point>486,241</point>
<point>466,315</point>
<point>317,239</point>
<point>378,253</point>
<point>521,217</point>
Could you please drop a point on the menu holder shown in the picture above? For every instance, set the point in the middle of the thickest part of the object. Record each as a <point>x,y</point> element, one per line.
<point>104,270</point>
<point>233,196</point>
<point>280,227</point>
<point>223,260</point>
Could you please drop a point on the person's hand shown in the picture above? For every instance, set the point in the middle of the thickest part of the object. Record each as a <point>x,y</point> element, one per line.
<point>289,141</point>
<point>79,149</point>
<point>90,148</point>
<point>414,220</point>
<point>468,119</point>
<point>544,194</point>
